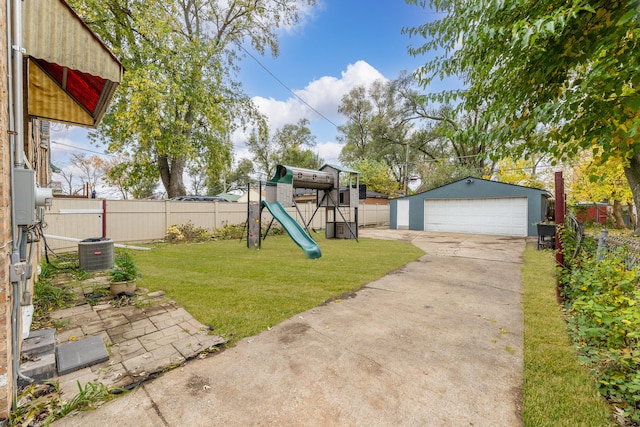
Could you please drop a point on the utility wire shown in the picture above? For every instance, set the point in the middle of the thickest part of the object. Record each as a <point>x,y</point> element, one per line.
<point>82,149</point>
<point>287,87</point>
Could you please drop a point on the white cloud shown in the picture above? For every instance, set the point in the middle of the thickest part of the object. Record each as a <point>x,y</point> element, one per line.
<point>323,95</point>
<point>329,151</point>
<point>306,12</point>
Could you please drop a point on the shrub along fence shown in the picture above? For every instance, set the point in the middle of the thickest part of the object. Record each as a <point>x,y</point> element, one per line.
<point>601,291</point>
<point>133,221</point>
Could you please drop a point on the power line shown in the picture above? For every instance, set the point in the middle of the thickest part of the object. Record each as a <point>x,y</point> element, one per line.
<point>287,87</point>
<point>82,149</point>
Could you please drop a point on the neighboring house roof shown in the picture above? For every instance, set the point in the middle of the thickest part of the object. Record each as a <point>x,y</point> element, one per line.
<point>253,195</point>
<point>375,195</point>
<point>230,197</point>
<point>338,168</point>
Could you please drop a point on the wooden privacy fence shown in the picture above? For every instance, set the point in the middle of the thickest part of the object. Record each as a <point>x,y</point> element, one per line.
<point>131,221</point>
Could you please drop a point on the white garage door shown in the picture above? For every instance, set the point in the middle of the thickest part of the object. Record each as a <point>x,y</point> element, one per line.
<point>505,217</point>
<point>402,217</point>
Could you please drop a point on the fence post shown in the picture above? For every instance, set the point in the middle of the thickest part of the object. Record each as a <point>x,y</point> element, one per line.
<point>167,214</point>
<point>215,214</point>
<point>602,244</point>
<point>560,211</point>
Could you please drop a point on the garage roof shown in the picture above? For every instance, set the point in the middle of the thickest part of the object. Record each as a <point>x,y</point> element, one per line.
<point>71,74</point>
<point>473,187</point>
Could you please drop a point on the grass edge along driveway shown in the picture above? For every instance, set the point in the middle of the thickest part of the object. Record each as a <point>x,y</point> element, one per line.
<point>240,292</point>
<point>557,391</point>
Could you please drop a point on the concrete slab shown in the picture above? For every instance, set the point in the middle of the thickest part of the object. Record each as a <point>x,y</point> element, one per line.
<point>75,355</point>
<point>39,342</point>
<point>437,342</point>
<point>143,407</point>
<point>40,368</point>
<point>69,382</point>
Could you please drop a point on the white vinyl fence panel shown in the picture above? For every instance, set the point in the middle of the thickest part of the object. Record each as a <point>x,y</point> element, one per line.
<point>132,221</point>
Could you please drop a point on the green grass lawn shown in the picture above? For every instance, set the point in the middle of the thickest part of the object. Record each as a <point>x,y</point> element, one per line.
<point>557,390</point>
<point>241,292</point>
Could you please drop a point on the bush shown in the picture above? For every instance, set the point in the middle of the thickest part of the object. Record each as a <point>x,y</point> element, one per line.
<point>238,231</point>
<point>186,233</point>
<point>229,232</point>
<point>601,300</point>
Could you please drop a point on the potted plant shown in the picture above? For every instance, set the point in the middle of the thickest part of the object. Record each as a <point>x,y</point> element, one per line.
<point>122,276</point>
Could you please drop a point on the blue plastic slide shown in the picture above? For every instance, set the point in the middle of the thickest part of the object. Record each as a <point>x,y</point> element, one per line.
<point>295,230</point>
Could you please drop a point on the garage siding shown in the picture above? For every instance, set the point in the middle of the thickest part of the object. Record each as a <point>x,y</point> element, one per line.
<point>497,216</point>
<point>455,209</point>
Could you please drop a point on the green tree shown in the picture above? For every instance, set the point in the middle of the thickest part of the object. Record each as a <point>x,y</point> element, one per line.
<point>131,179</point>
<point>377,128</point>
<point>594,181</point>
<point>570,69</point>
<point>240,176</point>
<point>295,143</point>
<point>522,172</point>
<point>233,179</point>
<point>375,175</point>
<point>290,145</point>
<point>437,174</point>
<point>390,122</point>
<point>178,101</point>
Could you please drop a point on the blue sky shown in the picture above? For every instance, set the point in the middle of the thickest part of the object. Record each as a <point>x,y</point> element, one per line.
<point>339,45</point>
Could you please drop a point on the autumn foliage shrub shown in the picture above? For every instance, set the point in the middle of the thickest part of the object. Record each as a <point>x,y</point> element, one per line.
<point>186,233</point>
<point>602,302</point>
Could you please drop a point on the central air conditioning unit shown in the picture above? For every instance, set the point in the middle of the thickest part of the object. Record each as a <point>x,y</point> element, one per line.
<point>95,253</point>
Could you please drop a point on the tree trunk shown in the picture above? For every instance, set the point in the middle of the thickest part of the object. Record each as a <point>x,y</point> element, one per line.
<point>632,216</point>
<point>632,172</point>
<point>171,175</point>
<point>617,215</point>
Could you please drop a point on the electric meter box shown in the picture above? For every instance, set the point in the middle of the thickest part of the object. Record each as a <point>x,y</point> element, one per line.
<point>24,181</point>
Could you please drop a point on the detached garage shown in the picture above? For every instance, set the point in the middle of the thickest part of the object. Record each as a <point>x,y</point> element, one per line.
<point>472,205</point>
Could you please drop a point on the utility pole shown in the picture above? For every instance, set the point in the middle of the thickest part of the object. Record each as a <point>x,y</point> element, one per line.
<point>406,172</point>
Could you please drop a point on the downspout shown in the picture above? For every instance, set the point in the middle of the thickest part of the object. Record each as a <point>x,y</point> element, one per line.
<point>15,82</point>
<point>17,96</point>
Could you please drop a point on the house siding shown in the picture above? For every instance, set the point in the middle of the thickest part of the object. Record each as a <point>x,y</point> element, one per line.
<point>476,189</point>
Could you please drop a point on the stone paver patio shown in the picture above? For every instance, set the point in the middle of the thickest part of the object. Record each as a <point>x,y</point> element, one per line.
<point>141,341</point>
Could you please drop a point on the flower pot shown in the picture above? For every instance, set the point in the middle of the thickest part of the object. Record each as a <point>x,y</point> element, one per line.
<point>119,287</point>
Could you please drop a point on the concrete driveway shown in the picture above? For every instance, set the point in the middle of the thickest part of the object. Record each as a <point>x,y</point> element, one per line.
<point>435,343</point>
